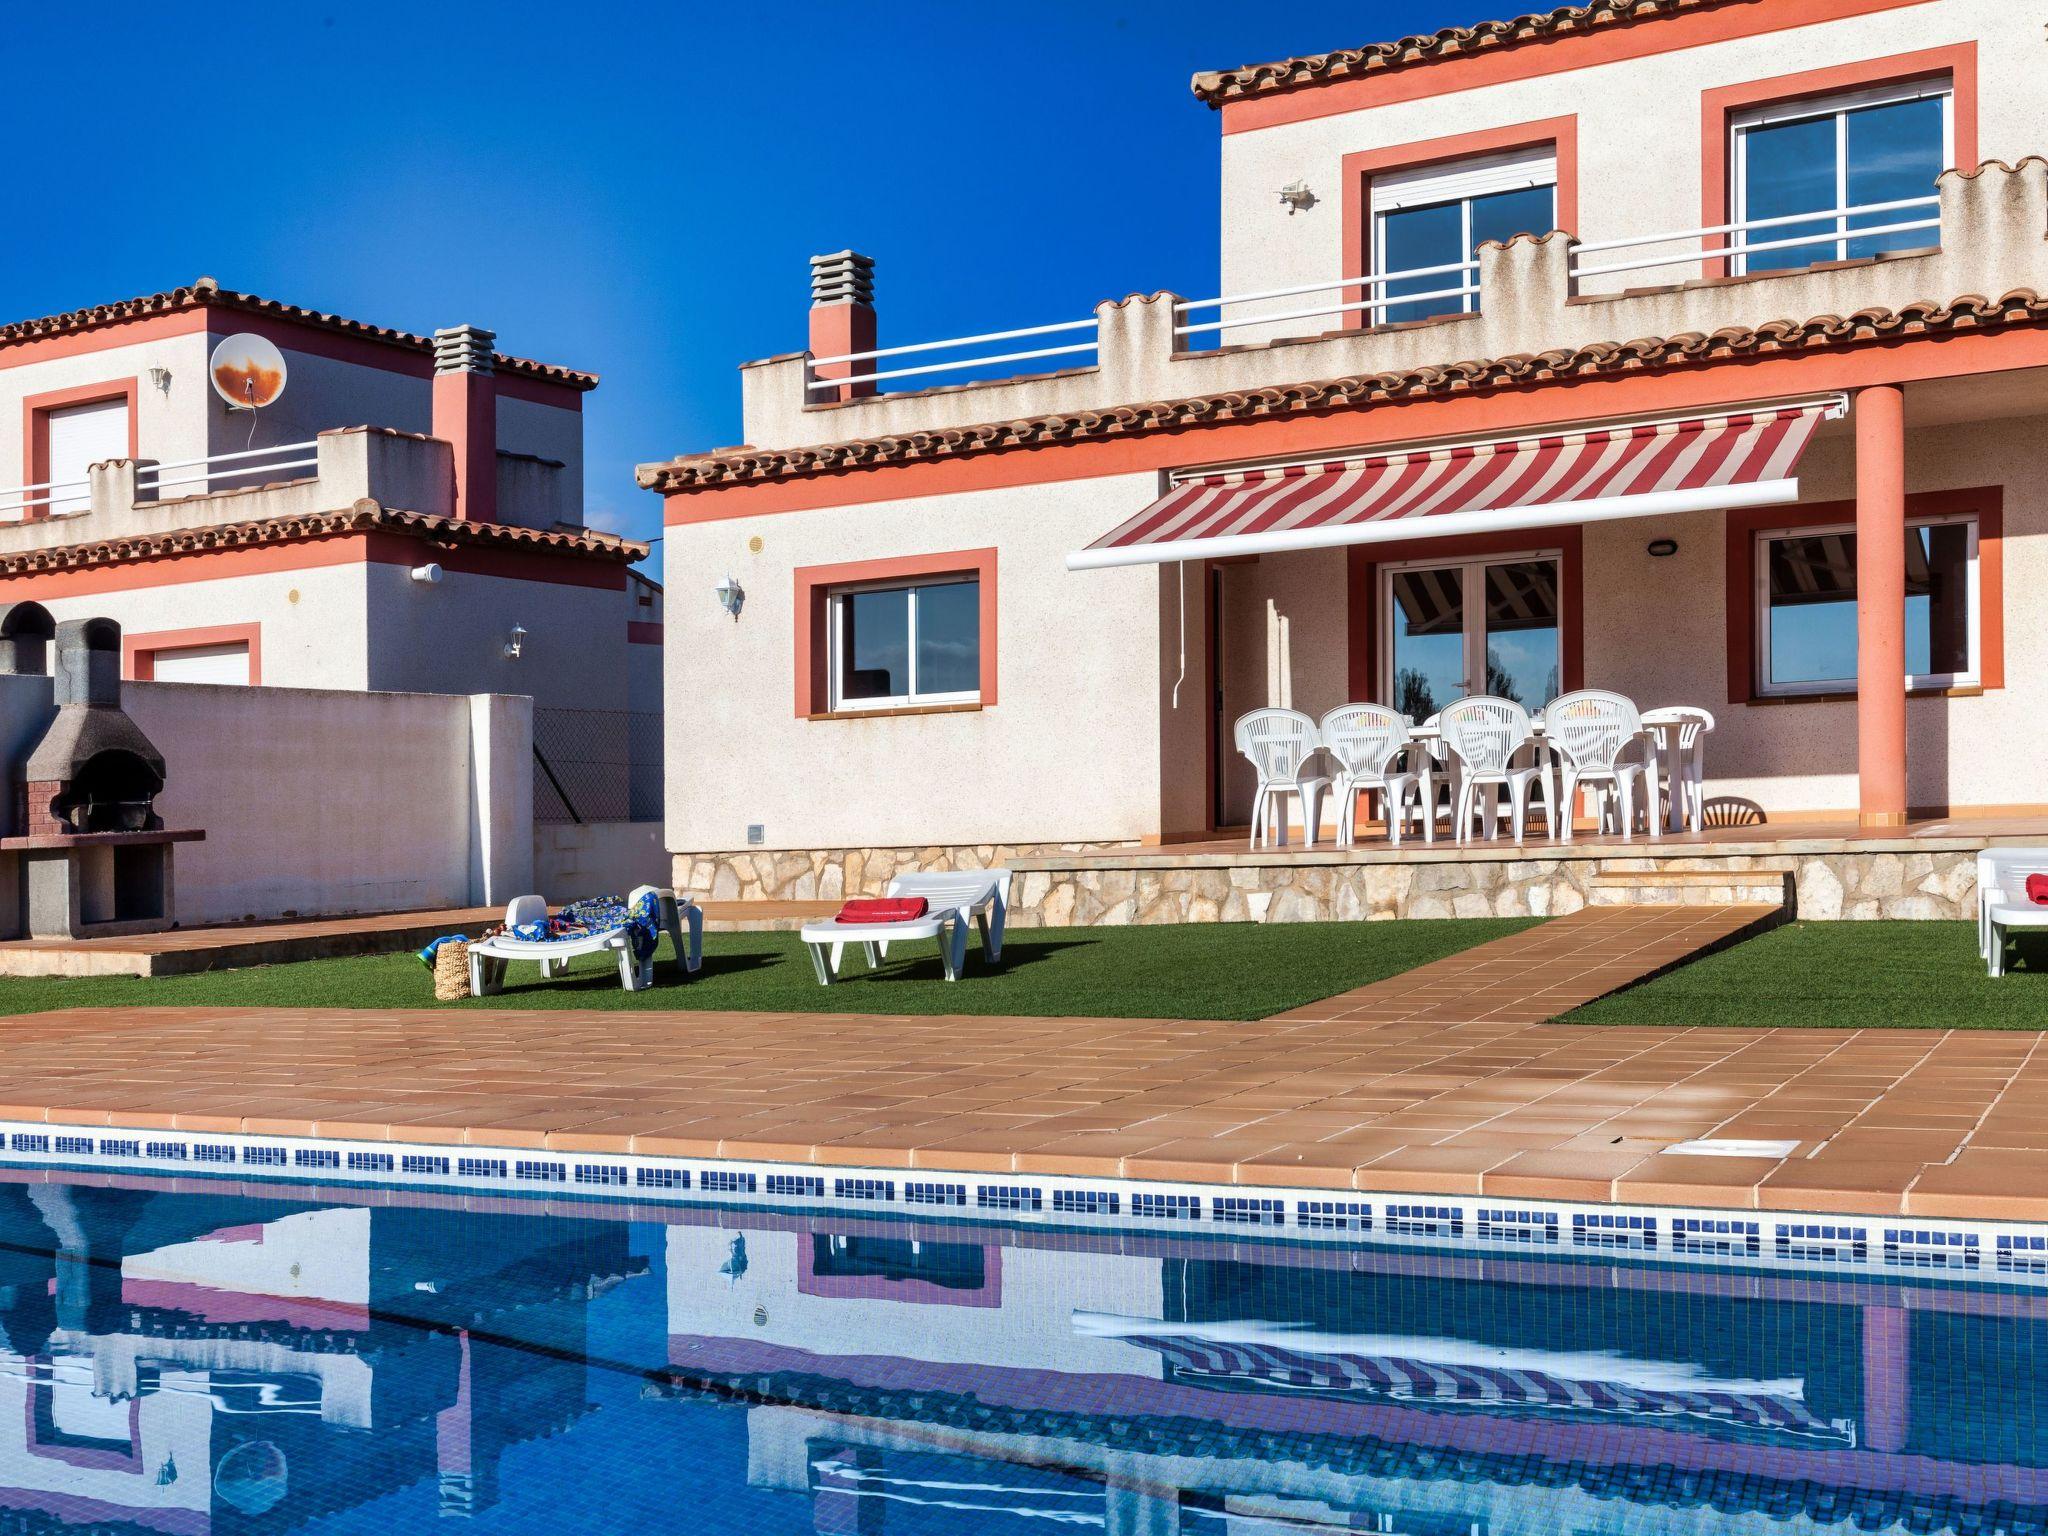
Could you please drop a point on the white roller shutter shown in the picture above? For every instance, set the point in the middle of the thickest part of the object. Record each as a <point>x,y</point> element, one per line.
<point>81,436</point>
<point>227,663</point>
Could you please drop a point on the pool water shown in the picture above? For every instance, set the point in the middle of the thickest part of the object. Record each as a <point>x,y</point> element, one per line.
<point>179,1359</point>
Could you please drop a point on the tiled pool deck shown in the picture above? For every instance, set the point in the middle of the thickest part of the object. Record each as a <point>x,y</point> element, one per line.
<point>1441,1081</point>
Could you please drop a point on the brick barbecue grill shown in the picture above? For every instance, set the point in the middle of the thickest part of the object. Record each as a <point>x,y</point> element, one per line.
<point>94,770</point>
<point>88,854</point>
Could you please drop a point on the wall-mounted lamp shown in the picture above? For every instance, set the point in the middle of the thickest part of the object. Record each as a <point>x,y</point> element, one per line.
<point>1297,197</point>
<point>427,575</point>
<point>515,643</point>
<point>731,595</point>
<point>160,376</point>
<point>1659,548</point>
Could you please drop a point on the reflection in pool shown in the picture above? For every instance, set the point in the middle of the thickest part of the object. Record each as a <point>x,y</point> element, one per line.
<point>327,1360</point>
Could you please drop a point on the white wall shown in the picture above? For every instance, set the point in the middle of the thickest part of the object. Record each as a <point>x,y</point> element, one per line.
<point>550,432</point>
<point>170,424</point>
<point>320,803</point>
<point>322,392</point>
<point>572,860</point>
<point>451,636</point>
<point>1638,130</point>
<point>1071,750</point>
<point>313,621</point>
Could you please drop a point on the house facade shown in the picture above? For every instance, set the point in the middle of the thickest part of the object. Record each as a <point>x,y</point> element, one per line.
<point>404,504</point>
<point>1691,349</point>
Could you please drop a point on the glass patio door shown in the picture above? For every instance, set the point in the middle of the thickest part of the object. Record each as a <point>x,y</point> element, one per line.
<point>1470,626</point>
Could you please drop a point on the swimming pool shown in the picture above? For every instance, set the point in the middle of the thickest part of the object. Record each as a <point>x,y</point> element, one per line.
<point>190,1359</point>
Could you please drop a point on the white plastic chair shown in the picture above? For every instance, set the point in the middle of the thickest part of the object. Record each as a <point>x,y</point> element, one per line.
<point>1487,734</point>
<point>1280,744</point>
<point>1369,743</point>
<point>2002,899</point>
<point>1590,731</point>
<point>1682,731</point>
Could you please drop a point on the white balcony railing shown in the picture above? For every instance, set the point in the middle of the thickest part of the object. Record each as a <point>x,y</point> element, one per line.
<point>953,365</point>
<point>1466,272</point>
<point>1378,283</point>
<point>25,501</point>
<point>158,478</point>
<point>1735,241</point>
<point>1450,286</point>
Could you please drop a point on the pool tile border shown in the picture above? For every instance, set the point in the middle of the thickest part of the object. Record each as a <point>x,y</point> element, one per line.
<point>2003,1252</point>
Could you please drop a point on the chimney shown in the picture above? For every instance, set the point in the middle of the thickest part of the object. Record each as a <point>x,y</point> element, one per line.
<point>466,417</point>
<point>842,320</point>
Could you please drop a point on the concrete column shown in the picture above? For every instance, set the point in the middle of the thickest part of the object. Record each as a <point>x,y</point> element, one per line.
<point>466,416</point>
<point>842,320</point>
<point>1881,605</point>
<point>501,798</point>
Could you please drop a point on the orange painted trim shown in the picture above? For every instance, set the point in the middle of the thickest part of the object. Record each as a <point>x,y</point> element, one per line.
<point>307,554</point>
<point>42,349</point>
<point>35,424</point>
<point>1362,588</point>
<point>1544,56</point>
<point>642,632</point>
<point>1958,61</point>
<point>139,651</point>
<point>1744,664</point>
<point>1360,167</point>
<point>814,584</point>
<point>1508,408</point>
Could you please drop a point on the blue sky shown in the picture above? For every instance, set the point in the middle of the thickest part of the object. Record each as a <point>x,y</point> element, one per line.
<point>634,189</point>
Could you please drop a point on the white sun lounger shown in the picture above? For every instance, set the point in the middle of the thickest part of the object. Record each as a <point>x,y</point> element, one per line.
<point>954,896</point>
<point>488,958</point>
<point>2002,901</point>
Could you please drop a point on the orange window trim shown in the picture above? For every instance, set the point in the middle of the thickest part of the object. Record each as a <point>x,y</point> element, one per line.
<point>1363,581</point>
<point>1360,167</point>
<point>1958,61</point>
<point>139,651</point>
<point>815,584</point>
<point>1987,502</point>
<point>35,424</point>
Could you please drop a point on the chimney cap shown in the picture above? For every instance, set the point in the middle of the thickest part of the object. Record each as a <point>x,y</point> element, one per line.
<point>464,349</point>
<point>843,277</point>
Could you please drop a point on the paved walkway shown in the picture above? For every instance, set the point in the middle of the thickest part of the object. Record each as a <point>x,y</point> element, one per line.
<point>1393,1087</point>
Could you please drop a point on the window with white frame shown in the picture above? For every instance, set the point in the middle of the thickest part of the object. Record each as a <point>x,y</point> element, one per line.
<point>902,643</point>
<point>1430,220</point>
<point>1806,607</point>
<point>1866,151</point>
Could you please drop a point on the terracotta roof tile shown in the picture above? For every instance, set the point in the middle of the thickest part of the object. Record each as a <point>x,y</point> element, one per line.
<point>1219,86</point>
<point>206,293</point>
<point>363,517</point>
<point>2021,306</point>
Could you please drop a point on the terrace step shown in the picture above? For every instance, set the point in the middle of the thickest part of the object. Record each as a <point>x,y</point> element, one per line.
<point>1689,887</point>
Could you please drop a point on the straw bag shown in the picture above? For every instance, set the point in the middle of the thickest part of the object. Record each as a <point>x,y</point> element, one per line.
<point>451,971</point>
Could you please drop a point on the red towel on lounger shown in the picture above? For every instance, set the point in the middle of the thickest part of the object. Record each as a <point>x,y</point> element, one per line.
<point>884,909</point>
<point>2037,890</point>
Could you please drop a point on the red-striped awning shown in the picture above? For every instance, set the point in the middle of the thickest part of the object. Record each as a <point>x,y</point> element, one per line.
<point>1639,469</point>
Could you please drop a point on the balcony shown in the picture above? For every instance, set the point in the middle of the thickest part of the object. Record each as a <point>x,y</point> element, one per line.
<point>1985,232</point>
<point>331,472</point>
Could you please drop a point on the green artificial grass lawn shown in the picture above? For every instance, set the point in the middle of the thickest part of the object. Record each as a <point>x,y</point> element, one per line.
<point>1197,971</point>
<point>1887,975</point>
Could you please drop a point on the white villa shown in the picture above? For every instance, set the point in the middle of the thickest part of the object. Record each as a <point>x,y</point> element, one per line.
<point>1691,349</point>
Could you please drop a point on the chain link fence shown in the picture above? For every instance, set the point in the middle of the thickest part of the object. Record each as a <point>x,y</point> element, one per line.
<point>596,765</point>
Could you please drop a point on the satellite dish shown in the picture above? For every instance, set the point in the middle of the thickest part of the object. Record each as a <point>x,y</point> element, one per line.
<point>247,371</point>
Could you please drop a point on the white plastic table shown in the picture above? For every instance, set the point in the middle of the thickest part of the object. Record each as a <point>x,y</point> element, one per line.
<point>945,925</point>
<point>1667,728</point>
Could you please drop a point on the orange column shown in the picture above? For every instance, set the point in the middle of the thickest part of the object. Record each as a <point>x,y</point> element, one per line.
<point>1881,605</point>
